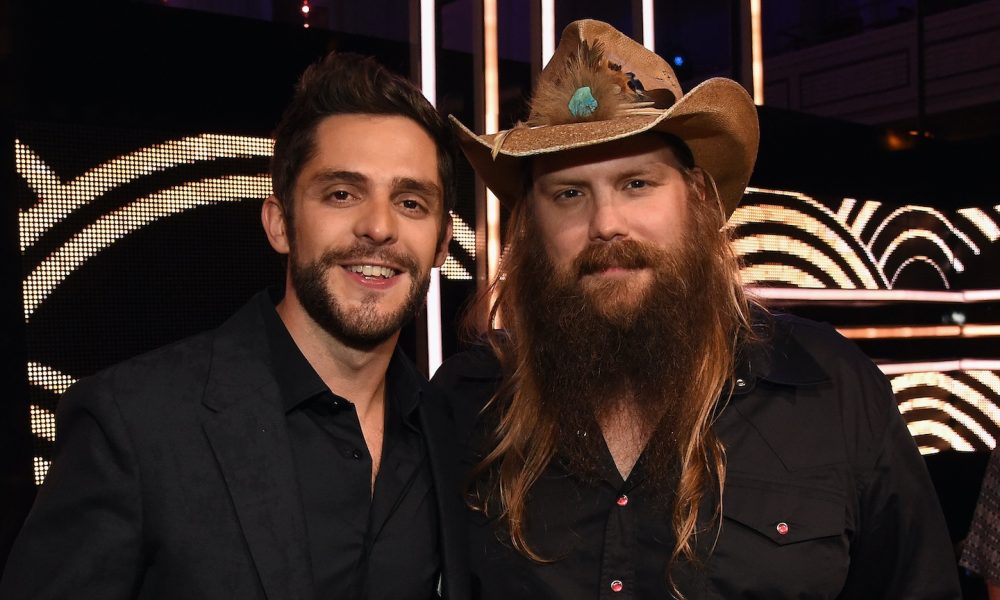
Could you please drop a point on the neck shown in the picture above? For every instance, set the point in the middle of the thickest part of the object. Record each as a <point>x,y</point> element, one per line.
<point>355,374</point>
<point>625,433</point>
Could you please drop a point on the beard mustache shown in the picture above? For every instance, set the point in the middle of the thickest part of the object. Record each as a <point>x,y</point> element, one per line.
<point>364,327</point>
<point>603,344</point>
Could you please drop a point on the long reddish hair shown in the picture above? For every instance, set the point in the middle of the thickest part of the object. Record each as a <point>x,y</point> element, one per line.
<point>526,435</point>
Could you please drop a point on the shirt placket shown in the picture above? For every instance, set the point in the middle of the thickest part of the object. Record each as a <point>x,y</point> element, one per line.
<point>617,561</point>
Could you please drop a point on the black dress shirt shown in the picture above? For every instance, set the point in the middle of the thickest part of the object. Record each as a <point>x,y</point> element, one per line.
<point>362,544</point>
<point>825,496</point>
<point>606,539</point>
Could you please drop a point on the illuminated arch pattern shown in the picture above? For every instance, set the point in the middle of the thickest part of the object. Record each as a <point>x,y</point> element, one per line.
<point>57,200</point>
<point>113,226</point>
<point>938,216</point>
<point>862,241</point>
<point>953,410</point>
<point>831,247</point>
<point>982,221</point>
<point>920,259</point>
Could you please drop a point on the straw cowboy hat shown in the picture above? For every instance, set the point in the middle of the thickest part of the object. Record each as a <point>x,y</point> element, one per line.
<point>602,86</point>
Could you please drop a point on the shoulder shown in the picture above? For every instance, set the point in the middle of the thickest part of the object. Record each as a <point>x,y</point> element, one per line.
<point>821,340</point>
<point>467,381</point>
<point>169,366</point>
<point>477,364</point>
<point>799,351</point>
<point>168,378</point>
<point>143,392</point>
<point>470,376</point>
<point>816,397</point>
<point>182,368</point>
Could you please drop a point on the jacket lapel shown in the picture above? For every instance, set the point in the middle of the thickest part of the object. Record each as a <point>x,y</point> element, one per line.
<point>249,436</point>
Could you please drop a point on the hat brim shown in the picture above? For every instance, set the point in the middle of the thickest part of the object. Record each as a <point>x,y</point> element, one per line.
<point>717,120</point>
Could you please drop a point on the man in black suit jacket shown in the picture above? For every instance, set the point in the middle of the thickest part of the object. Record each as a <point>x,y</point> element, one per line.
<point>293,452</point>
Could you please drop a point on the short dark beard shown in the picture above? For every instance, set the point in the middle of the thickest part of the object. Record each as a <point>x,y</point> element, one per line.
<point>584,357</point>
<point>363,328</point>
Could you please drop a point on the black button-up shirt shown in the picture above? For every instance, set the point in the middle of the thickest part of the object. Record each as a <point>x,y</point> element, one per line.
<point>607,539</point>
<point>362,544</point>
<point>825,496</point>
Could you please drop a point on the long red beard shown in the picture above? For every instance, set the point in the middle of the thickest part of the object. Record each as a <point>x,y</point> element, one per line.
<point>594,346</point>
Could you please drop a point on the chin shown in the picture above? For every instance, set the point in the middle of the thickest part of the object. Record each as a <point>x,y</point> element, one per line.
<point>619,310</point>
<point>624,291</point>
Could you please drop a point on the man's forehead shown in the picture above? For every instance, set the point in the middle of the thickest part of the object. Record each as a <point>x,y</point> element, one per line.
<point>646,148</point>
<point>381,147</point>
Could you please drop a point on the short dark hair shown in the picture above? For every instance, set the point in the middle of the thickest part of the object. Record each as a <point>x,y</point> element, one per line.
<point>347,83</point>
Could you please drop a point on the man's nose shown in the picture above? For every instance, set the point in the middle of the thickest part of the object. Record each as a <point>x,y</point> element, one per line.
<point>377,223</point>
<point>607,223</point>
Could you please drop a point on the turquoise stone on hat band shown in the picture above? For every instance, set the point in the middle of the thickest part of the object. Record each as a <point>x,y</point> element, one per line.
<point>583,103</point>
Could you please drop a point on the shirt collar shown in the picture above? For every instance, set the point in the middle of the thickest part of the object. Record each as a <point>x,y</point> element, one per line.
<point>296,378</point>
<point>298,381</point>
<point>776,357</point>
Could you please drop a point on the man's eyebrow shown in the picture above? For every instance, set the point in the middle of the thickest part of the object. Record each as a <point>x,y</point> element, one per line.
<point>340,176</point>
<point>423,187</point>
<point>558,181</point>
<point>641,171</point>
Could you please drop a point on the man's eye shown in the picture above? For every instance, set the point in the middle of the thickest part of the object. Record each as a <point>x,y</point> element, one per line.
<point>566,194</point>
<point>411,204</point>
<point>340,195</point>
<point>637,184</point>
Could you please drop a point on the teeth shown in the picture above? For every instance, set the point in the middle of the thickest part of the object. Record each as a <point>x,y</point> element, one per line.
<point>372,270</point>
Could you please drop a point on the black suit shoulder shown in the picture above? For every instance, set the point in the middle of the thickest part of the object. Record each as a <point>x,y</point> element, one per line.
<point>175,368</point>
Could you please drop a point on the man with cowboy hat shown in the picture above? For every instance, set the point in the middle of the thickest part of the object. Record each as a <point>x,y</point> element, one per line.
<point>640,428</point>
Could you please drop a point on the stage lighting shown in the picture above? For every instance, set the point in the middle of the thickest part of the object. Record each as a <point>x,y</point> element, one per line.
<point>680,61</point>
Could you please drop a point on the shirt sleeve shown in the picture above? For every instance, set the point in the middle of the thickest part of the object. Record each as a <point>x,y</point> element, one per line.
<point>82,538</point>
<point>901,547</point>
<point>981,551</point>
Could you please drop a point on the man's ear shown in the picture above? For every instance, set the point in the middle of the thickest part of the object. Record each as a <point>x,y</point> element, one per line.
<point>701,180</point>
<point>272,216</point>
<point>442,250</point>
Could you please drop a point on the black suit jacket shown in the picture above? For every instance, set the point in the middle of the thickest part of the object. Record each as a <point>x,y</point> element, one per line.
<point>173,478</point>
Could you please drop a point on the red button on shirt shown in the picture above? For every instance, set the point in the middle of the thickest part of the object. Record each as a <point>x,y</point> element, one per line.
<point>616,586</point>
<point>782,528</point>
<point>622,500</point>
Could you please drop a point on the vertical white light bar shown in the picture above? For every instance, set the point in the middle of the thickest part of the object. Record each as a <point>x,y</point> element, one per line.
<point>757,52</point>
<point>648,37</point>
<point>491,108</point>
<point>428,84</point>
<point>428,64</point>
<point>548,14</point>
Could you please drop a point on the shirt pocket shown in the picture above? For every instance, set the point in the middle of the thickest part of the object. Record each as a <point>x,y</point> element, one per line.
<point>779,540</point>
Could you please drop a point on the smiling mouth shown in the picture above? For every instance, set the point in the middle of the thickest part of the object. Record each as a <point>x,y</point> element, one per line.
<point>372,272</point>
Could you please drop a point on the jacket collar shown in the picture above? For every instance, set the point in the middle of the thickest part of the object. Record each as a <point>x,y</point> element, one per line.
<point>241,367</point>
